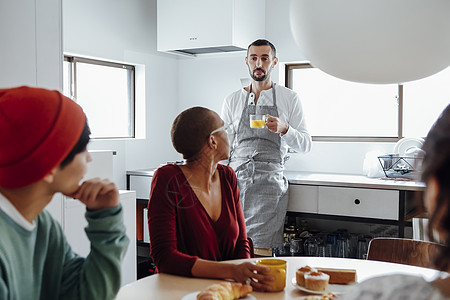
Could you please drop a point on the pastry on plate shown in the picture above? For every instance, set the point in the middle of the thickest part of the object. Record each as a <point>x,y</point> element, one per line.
<point>316,281</point>
<point>340,276</point>
<point>300,274</point>
<point>225,291</point>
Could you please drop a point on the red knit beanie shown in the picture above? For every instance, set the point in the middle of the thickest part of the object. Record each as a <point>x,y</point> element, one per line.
<point>38,129</point>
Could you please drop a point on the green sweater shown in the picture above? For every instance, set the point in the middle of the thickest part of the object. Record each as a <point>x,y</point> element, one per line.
<point>40,264</point>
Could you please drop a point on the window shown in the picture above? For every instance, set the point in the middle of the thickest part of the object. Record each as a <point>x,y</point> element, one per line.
<point>339,110</point>
<point>423,102</point>
<point>106,92</point>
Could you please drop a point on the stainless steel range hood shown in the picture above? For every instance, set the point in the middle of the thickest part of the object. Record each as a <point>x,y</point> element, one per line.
<point>196,51</point>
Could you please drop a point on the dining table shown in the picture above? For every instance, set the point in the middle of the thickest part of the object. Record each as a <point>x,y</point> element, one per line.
<point>166,286</point>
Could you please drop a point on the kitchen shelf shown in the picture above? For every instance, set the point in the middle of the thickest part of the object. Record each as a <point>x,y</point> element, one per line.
<point>306,199</point>
<point>140,181</point>
<point>142,201</point>
<point>345,218</point>
<point>143,244</point>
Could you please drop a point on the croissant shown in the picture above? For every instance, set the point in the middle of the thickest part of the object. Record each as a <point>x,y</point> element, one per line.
<point>225,291</point>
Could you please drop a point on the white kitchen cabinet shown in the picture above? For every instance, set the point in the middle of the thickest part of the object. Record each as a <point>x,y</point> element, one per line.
<point>356,199</point>
<point>75,222</point>
<point>207,26</point>
<point>141,184</point>
<point>364,203</point>
<point>70,214</point>
<point>140,181</point>
<point>307,196</point>
<point>31,43</point>
<point>341,201</point>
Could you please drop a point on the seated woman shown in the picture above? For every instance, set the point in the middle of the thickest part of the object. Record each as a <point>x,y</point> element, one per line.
<point>436,175</point>
<point>194,214</point>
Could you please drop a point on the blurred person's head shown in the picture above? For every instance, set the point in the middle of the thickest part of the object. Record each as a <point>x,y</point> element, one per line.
<point>436,175</point>
<point>41,131</point>
<point>193,133</point>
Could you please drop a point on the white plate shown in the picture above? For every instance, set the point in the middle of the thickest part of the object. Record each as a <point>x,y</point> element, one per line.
<point>407,143</point>
<point>193,296</point>
<point>334,288</point>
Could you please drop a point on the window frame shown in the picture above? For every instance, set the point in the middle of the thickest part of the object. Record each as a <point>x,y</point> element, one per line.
<point>288,83</point>
<point>73,60</point>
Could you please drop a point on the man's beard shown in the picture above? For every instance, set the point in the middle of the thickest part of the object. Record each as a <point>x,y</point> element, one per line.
<point>256,78</point>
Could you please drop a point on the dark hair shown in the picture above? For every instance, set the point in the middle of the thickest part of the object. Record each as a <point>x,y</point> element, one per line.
<point>436,164</point>
<point>79,147</point>
<point>262,42</point>
<point>190,130</point>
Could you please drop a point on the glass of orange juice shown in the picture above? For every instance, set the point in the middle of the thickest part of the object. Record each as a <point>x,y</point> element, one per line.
<point>257,121</point>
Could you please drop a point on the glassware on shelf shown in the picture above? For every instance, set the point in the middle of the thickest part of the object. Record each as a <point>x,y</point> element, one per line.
<point>352,245</point>
<point>311,246</point>
<point>329,250</point>
<point>342,248</point>
<point>296,247</point>
<point>361,250</point>
<point>332,239</point>
<point>322,251</point>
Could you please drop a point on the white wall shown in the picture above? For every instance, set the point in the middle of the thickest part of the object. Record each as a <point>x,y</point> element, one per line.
<point>325,156</point>
<point>278,31</point>
<point>207,79</point>
<point>126,31</point>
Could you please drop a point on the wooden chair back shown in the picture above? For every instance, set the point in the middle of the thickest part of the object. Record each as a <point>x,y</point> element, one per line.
<point>252,249</point>
<point>403,251</point>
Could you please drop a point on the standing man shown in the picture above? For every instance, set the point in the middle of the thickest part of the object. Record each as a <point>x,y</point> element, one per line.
<point>258,154</point>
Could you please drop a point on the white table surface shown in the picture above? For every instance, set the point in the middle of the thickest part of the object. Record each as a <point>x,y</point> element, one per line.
<point>164,286</point>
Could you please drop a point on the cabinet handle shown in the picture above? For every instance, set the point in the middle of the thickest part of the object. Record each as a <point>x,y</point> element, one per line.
<point>357,201</point>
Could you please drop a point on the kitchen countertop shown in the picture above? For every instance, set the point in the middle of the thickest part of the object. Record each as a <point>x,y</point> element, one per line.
<point>331,179</point>
<point>356,181</point>
<point>142,172</point>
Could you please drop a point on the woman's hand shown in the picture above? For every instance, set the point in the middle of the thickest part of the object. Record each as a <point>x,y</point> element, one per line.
<point>97,194</point>
<point>249,272</point>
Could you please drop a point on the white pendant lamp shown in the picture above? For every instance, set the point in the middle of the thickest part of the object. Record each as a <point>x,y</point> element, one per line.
<point>373,41</point>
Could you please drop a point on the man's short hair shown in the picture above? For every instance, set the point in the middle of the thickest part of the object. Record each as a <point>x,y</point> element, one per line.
<point>79,147</point>
<point>262,42</point>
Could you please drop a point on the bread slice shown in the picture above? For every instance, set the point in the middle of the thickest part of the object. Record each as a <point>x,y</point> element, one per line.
<point>339,276</point>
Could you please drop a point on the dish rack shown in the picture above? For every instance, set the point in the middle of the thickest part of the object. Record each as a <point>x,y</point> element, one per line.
<point>395,166</point>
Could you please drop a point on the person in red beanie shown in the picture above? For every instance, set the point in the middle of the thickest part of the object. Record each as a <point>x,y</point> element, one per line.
<point>43,137</point>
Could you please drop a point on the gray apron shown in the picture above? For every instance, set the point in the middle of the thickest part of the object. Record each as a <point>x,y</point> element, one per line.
<point>258,162</point>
